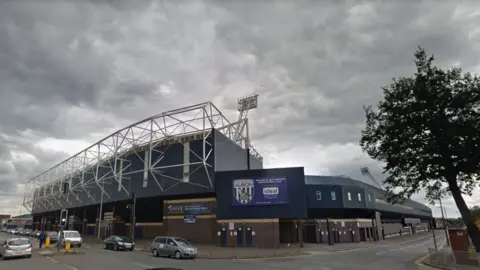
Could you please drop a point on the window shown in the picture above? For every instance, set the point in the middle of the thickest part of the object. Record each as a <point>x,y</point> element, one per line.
<point>160,240</point>
<point>65,188</point>
<point>349,195</point>
<point>334,196</point>
<point>369,198</point>
<point>359,197</point>
<point>319,195</point>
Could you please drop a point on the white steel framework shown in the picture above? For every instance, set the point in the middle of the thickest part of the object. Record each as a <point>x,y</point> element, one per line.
<point>62,183</point>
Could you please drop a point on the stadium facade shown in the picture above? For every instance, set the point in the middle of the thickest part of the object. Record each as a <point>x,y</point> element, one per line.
<point>191,172</point>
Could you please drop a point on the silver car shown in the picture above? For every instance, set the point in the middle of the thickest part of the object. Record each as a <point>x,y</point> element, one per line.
<point>15,247</point>
<point>172,246</point>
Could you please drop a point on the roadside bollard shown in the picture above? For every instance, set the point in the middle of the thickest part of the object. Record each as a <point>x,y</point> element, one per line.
<point>47,242</point>
<point>67,247</point>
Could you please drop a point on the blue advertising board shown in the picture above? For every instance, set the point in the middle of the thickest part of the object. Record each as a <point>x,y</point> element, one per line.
<point>190,208</point>
<point>260,191</point>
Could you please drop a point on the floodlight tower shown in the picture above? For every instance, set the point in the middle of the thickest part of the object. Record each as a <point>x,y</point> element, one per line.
<point>365,171</point>
<point>243,106</point>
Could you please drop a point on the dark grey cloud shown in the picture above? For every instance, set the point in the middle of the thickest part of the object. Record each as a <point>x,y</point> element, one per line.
<point>78,70</point>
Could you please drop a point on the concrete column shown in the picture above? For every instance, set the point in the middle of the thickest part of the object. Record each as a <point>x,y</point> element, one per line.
<point>378,223</point>
<point>300,231</point>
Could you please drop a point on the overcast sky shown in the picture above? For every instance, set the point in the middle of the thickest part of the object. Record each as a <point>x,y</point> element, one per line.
<point>73,72</point>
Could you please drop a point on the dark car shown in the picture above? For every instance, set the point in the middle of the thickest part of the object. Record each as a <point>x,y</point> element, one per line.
<point>53,236</point>
<point>117,242</point>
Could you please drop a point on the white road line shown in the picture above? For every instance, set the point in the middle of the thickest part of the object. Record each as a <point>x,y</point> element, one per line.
<point>396,249</point>
<point>71,267</point>
<point>53,260</point>
<point>142,265</point>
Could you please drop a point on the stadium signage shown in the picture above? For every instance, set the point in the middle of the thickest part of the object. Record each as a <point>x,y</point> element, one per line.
<point>190,208</point>
<point>260,191</point>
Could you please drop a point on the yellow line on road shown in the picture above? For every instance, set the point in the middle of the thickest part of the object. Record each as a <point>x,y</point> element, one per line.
<point>419,262</point>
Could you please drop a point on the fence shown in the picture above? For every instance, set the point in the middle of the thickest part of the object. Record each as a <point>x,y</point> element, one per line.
<point>447,258</point>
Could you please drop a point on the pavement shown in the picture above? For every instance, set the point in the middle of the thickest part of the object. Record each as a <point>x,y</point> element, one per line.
<point>391,254</point>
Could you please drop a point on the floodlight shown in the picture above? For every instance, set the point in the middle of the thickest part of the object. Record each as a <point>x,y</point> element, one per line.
<point>247,103</point>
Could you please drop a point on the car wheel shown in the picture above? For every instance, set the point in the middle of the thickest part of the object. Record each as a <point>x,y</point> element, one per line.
<point>131,249</point>
<point>155,253</point>
<point>178,255</point>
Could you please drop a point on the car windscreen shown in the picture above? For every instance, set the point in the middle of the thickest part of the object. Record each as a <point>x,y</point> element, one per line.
<point>19,242</point>
<point>72,235</point>
<point>182,241</point>
<point>124,239</point>
<point>52,234</point>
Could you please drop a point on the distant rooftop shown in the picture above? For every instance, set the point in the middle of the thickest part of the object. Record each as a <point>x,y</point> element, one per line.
<point>24,216</point>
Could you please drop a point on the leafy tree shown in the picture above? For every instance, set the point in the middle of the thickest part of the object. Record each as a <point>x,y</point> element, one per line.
<point>426,131</point>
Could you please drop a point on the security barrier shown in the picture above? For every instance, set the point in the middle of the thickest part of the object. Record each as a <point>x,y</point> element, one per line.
<point>47,242</point>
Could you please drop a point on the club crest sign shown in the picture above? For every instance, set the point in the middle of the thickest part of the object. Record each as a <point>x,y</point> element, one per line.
<point>243,190</point>
<point>268,190</point>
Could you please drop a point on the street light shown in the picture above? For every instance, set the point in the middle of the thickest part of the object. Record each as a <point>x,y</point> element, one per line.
<point>444,222</point>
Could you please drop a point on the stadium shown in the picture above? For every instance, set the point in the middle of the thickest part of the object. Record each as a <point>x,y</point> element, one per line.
<point>191,172</point>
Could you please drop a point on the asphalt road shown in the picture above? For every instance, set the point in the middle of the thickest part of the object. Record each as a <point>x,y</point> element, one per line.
<point>398,256</point>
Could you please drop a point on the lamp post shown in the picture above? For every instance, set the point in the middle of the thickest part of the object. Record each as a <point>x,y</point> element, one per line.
<point>444,222</point>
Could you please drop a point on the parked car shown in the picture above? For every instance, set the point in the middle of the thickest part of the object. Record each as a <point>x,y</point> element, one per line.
<point>73,237</point>
<point>117,242</point>
<point>15,247</point>
<point>36,233</point>
<point>173,246</point>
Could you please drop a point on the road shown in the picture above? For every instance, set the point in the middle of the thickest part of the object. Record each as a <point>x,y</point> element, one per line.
<point>398,256</point>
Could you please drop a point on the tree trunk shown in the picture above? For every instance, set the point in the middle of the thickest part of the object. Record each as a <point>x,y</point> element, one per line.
<point>467,216</point>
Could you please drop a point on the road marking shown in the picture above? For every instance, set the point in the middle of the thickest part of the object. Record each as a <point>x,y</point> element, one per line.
<point>396,249</point>
<point>53,260</point>
<point>385,245</point>
<point>71,267</point>
<point>419,262</point>
<point>142,265</point>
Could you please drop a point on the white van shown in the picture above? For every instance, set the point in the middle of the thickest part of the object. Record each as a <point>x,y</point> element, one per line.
<point>72,237</point>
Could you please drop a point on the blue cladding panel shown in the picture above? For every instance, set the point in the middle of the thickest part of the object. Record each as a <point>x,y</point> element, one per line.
<point>231,157</point>
<point>325,192</point>
<point>354,201</point>
<point>133,182</point>
<point>296,208</point>
<point>370,198</point>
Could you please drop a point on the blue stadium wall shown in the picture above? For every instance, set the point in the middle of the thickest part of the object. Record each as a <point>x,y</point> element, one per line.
<point>226,155</point>
<point>363,201</point>
<point>296,207</point>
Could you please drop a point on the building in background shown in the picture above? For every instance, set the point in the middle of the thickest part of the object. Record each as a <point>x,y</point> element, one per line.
<point>4,220</point>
